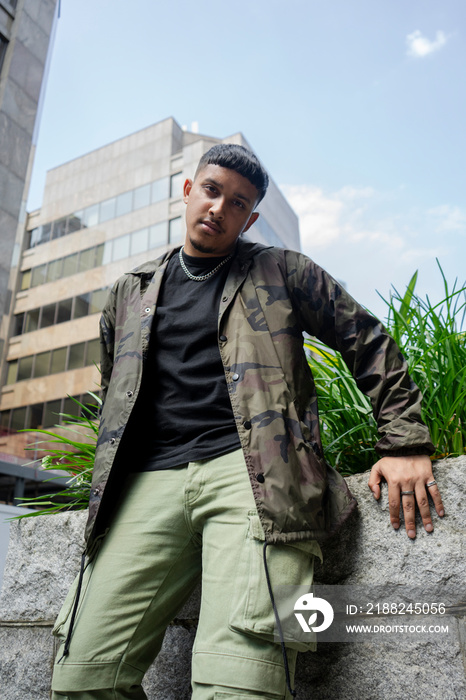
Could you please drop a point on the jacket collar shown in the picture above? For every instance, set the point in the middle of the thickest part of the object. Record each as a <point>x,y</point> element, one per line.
<point>245,251</point>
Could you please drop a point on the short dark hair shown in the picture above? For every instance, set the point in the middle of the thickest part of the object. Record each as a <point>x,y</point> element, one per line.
<point>240,159</point>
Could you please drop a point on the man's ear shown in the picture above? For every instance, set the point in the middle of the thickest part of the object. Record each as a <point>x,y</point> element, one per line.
<point>187,187</point>
<point>254,216</point>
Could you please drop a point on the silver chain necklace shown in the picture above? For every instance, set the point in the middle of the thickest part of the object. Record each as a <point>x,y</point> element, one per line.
<point>201,278</point>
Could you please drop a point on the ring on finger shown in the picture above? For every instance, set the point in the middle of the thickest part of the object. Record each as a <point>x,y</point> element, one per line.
<point>431,483</point>
<point>407,493</point>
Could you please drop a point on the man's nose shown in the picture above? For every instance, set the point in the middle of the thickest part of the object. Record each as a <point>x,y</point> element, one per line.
<point>217,208</point>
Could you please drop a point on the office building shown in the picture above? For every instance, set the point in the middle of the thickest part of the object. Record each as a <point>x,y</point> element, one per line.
<point>25,30</point>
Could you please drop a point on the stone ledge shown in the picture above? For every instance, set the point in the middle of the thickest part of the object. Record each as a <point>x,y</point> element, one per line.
<point>44,557</point>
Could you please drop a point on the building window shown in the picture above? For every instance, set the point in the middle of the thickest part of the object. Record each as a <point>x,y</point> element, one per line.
<point>25,280</point>
<point>139,241</point>
<point>141,197</point>
<point>18,418</point>
<point>59,228</point>
<point>3,45</point>
<point>70,265</point>
<point>86,259</point>
<point>35,416</point>
<point>41,365</point>
<point>12,372</point>
<point>91,216</point>
<point>47,318</point>
<point>93,352</point>
<point>120,248</point>
<point>160,190</point>
<point>176,185</point>
<point>25,368</point>
<point>32,320</point>
<point>98,299</point>
<point>18,324</point>
<point>175,230</point>
<point>124,203</point>
<point>64,310</point>
<point>81,306</point>
<point>38,275</point>
<point>54,270</point>
<point>158,235</point>
<point>51,411</point>
<point>107,209</point>
<point>58,362</point>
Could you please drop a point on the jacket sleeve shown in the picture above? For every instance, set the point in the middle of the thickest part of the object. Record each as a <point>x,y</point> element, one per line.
<point>329,313</point>
<point>107,341</point>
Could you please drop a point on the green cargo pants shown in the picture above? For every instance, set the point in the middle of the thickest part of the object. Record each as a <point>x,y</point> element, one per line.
<point>171,528</point>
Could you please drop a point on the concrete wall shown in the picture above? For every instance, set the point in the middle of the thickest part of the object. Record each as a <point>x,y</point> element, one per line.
<point>6,512</point>
<point>43,559</point>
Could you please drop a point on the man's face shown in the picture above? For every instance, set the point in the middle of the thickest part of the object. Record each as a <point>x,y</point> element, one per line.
<point>219,207</point>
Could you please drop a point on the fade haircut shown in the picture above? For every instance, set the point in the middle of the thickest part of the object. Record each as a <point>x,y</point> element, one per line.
<point>239,159</point>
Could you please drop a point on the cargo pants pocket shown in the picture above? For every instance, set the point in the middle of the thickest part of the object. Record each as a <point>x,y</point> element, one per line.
<point>290,565</point>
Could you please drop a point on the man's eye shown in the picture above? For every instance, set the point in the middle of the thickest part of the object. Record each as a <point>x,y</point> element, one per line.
<point>239,204</point>
<point>210,188</point>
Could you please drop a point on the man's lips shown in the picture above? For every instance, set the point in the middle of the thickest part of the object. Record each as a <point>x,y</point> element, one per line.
<point>211,226</point>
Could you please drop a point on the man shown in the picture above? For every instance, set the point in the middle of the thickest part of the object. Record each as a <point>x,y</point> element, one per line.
<point>209,456</point>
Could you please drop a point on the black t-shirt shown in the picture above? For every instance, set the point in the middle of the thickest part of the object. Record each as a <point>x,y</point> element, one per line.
<point>183,411</point>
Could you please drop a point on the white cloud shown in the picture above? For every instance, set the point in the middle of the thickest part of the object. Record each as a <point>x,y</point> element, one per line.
<point>374,239</point>
<point>420,46</point>
<point>449,218</point>
<point>352,217</point>
<point>414,256</point>
<point>319,214</point>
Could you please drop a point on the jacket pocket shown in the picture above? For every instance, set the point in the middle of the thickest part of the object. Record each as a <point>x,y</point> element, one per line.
<point>289,565</point>
<point>60,628</point>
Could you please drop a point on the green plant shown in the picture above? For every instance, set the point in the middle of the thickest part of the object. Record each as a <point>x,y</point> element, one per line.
<point>74,454</point>
<point>348,428</point>
<point>431,339</point>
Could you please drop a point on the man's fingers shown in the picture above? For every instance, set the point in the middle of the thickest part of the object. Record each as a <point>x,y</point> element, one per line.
<point>394,505</point>
<point>374,482</point>
<point>409,510</point>
<point>434,493</point>
<point>423,505</point>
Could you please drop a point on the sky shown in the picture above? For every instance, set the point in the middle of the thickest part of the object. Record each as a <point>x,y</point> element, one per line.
<point>356,108</point>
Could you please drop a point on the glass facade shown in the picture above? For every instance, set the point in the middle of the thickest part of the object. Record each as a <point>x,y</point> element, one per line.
<point>61,311</point>
<point>115,249</point>
<point>99,213</point>
<point>47,414</point>
<point>54,361</point>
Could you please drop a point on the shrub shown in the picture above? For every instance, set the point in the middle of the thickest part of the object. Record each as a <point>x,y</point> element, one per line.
<point>74,455</point>
<point>432,340</point>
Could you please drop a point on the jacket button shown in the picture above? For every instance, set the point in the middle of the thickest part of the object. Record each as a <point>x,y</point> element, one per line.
<point>247,424</point>
<point>225,299</point>
<point>112,441</point>
<point>260,478</point>
<point>147,309</point>
<point>129,394</point>
<point>235,377</point>
<point>223,338</point>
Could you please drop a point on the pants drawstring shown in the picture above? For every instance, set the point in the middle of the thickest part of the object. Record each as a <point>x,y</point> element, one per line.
<point>277,620</point>
<point>66,649</point>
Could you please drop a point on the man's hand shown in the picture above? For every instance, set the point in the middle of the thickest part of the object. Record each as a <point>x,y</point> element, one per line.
<point>404,474</point>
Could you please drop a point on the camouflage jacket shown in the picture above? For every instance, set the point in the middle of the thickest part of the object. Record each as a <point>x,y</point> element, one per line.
<point>270,297</point>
